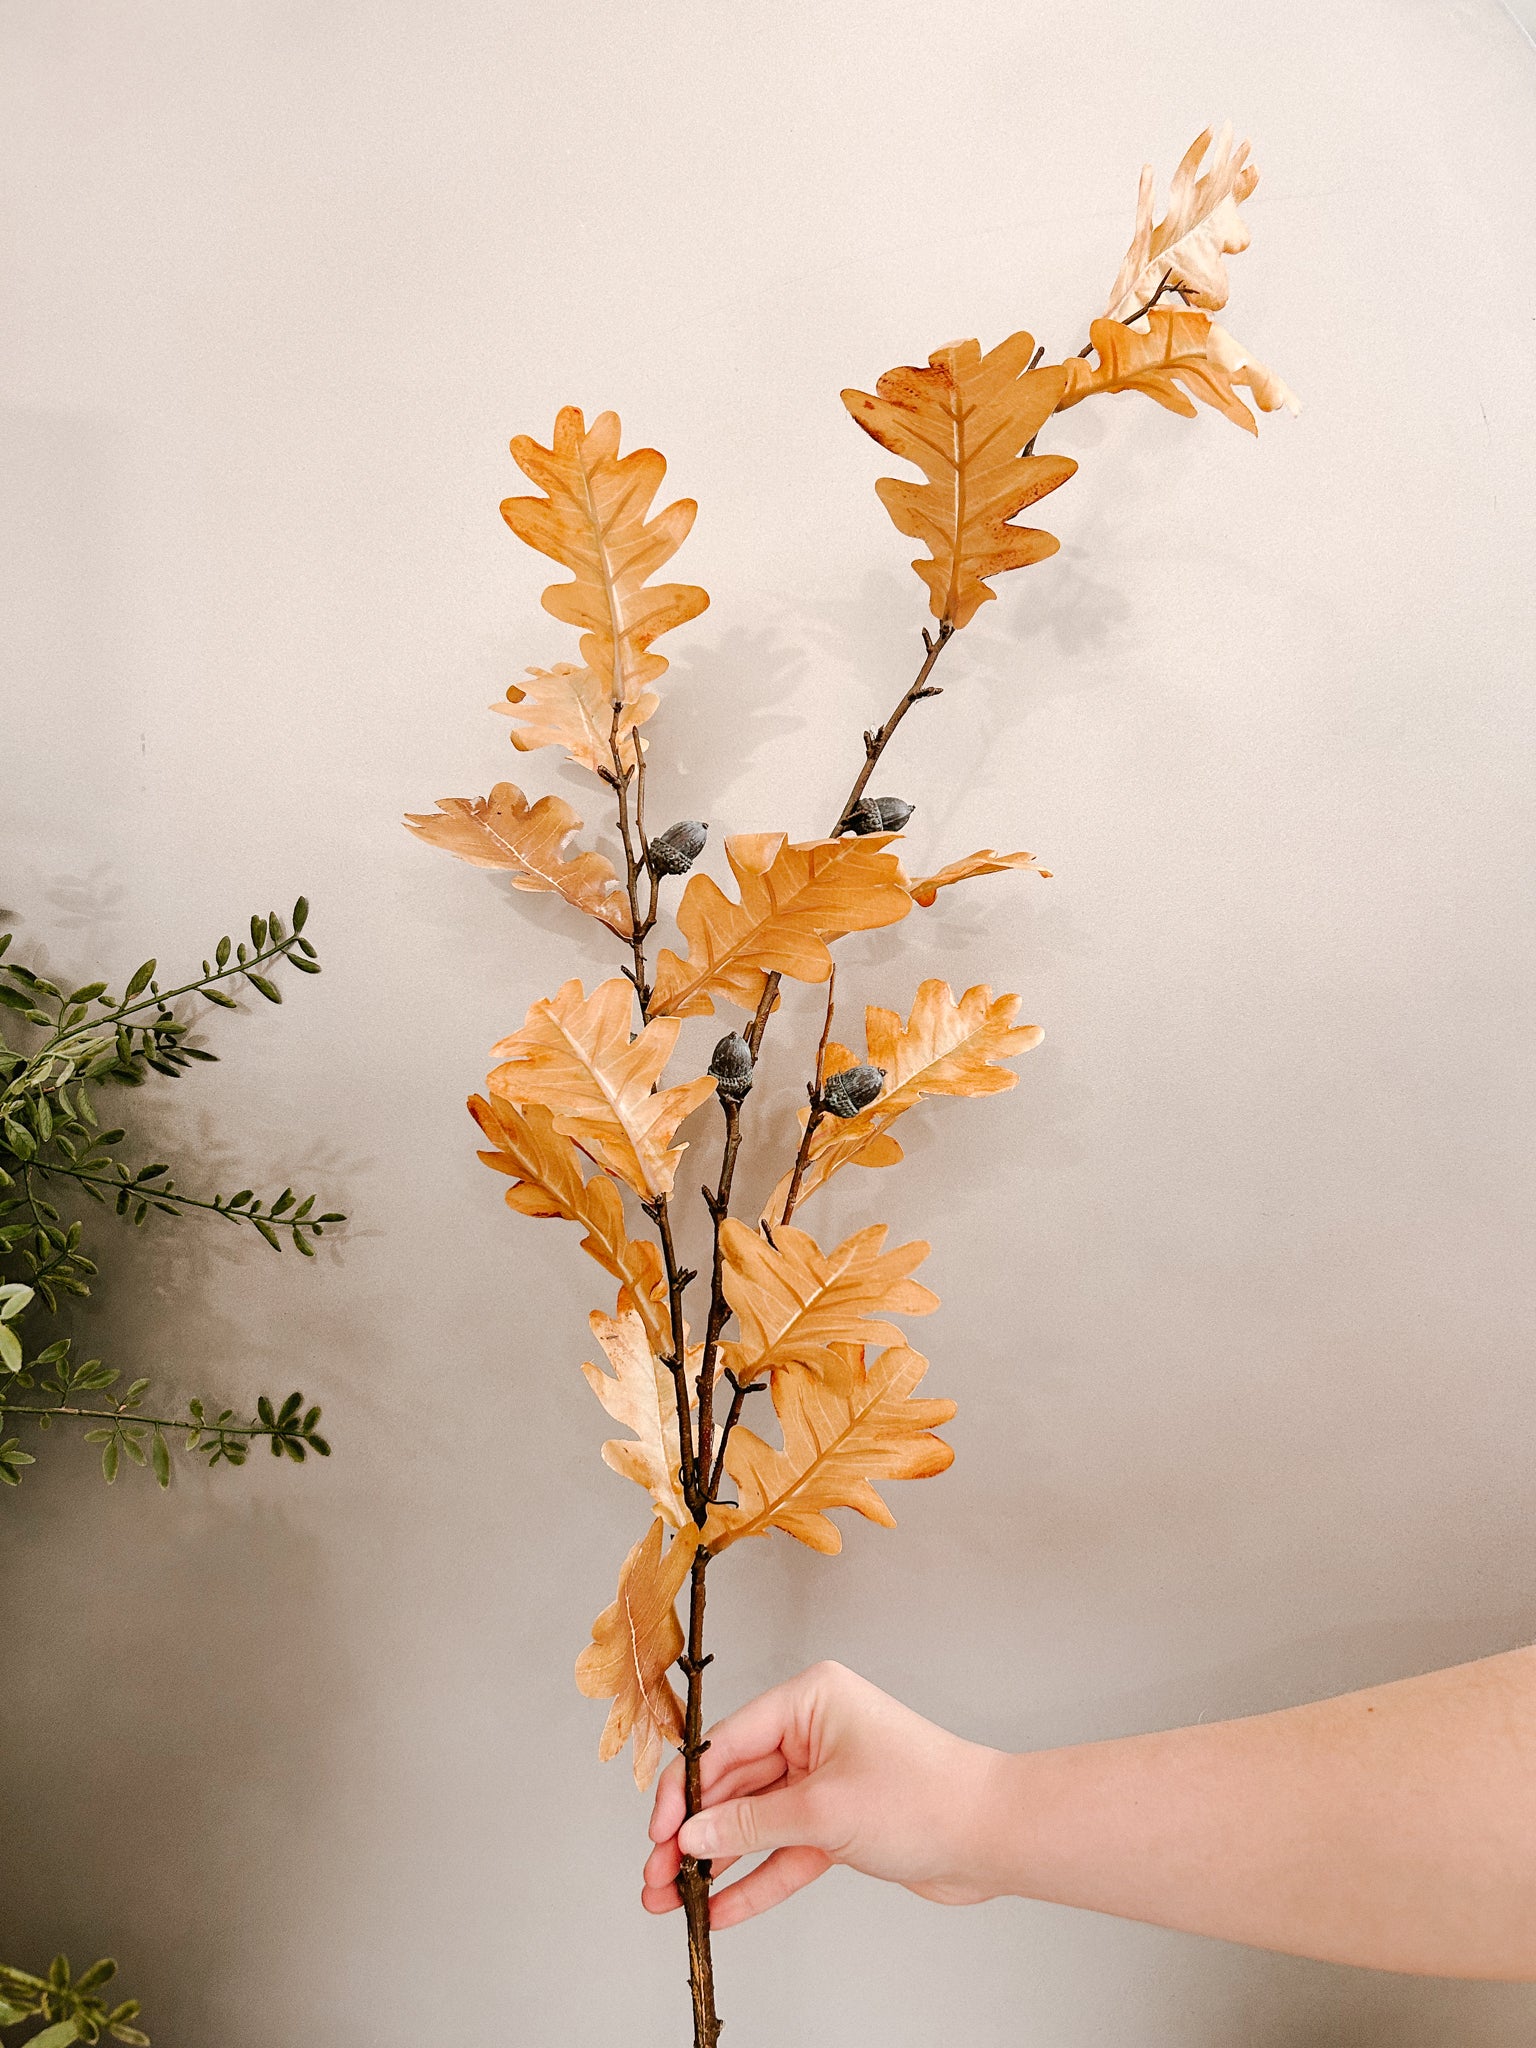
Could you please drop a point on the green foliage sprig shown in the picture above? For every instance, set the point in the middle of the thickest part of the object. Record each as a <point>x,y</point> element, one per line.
<point>52,1143</point>
<point>74,2006</point>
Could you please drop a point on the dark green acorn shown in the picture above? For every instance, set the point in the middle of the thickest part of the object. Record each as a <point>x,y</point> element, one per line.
<point>855,1088</point>
<point>731,1066</point>
<point>878,814</point>
<point>674,851</point>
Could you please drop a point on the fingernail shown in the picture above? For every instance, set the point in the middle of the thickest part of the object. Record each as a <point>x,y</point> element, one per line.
<point>695,1837</point>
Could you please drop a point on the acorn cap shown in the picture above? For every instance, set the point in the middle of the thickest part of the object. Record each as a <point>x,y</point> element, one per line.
<point>877,814</point>
<point>855,1088</point>
<point>731,1065</point>
<point>674,851</point>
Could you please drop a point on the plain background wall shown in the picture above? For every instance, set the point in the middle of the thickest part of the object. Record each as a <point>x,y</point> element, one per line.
<point>1236,1282</point>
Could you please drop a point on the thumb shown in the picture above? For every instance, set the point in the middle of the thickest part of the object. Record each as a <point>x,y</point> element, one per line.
<point>741,1827</point>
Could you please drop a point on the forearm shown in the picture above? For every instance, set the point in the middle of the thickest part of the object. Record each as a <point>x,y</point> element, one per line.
<point>1394,1828</point>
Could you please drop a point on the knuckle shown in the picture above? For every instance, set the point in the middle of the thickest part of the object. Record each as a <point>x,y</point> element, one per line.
<point>747,1826</point>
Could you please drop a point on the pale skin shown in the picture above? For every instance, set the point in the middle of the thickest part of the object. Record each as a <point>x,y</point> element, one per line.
<point>1393,1828</point>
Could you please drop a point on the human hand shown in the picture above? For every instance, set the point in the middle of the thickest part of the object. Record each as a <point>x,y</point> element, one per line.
<point>828,1769</point>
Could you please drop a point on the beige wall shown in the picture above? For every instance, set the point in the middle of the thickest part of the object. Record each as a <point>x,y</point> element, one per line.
<point>1237,1282</point>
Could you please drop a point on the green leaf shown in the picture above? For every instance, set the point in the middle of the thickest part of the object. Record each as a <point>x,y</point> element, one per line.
<point>161,1456</point>
<point>10,1349</point>
<point>10,2014</point>
<point>217,995</point>
<point>131,2037</point>
<point>89,993</point>
<point>284,1201</point>
<point>140,981</point>
<point>109,1459</point>
<point>13,1299</point>
<point>266,1230</point>
<point>263,987</point>
<point>99,1973</point>
<point>55,2036</point>
<point>301,913</point>
<point>304,966</point>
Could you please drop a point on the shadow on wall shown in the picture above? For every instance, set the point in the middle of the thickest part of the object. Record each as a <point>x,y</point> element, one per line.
<point>144,1820</point>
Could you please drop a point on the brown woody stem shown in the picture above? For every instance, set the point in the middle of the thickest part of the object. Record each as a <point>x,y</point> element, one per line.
<point>701,1480</point>
<point>694,1876</point>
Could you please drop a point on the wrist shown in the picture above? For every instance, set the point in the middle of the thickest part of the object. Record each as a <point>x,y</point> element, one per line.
<point>988,1845</point>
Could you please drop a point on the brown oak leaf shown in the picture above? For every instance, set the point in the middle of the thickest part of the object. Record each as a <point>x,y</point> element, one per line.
<point>593,521</point>
<point>634,1644</point>
<point>842,1428</point>
<point>796,1303</point>
<point>545,1168</point>
<point>964,421</point>
<point>527,842</point>
<point>944,1048</point>
<point>570,707</point>
<point>793,900</point>
<point>642,1396</point>
<point>574,1055</point>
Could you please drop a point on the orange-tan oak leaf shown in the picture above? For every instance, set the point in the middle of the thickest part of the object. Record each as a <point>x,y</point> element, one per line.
<point>592,520</point>
<point>925,888</point>
<point>841,1430</point>
<point>793,900</point>
<point>574,1055</point>
<point>545,1168</point>
<point>1202,225</point>
<point>944,1048</point>
<point>964,420</point>
<point>1168,362</point>
<point>634,1644</point>
<point>570,707</point>
<point>796,1303</point>
<point>641,1395</point>
<point>527,842</point>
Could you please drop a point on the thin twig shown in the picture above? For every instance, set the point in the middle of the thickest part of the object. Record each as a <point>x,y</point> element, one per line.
<point>1140,313</point>
<point>719,1206</point>
<point>817,1111</point>
<point>740,1389</point>
<point>618,780</point>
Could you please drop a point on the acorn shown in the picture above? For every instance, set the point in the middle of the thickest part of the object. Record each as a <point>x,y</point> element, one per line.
<point>731,1065</point>
<point>877,814</point>
<point>674,851</point>
<point>855,1088</point>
